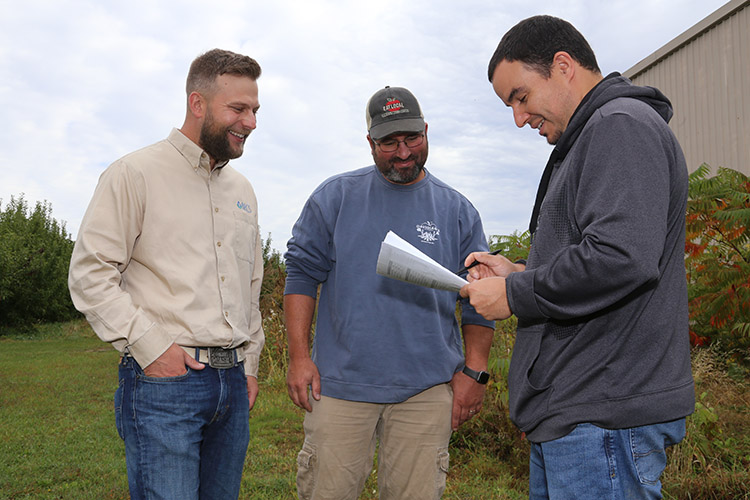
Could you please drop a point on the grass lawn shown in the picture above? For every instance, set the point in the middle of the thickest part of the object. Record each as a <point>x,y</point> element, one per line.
<point>56,421</point>
<point>59,440</point>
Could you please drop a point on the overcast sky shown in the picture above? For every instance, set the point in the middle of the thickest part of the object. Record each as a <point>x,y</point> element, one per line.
<point>83,82</point>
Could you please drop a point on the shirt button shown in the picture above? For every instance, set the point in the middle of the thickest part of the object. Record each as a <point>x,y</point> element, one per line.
<point>216,209</point>
<point>222,278</point>
<point>226,313</point>
<point>218,244</point>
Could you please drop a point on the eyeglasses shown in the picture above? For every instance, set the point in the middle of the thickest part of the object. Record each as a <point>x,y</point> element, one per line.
<point>391,145</point>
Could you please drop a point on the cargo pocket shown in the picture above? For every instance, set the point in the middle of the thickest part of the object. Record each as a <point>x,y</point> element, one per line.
<point>443,462</point>
<point>306,464</point>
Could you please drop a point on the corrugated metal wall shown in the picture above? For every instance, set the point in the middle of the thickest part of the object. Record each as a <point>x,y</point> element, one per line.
<point>706,74</point>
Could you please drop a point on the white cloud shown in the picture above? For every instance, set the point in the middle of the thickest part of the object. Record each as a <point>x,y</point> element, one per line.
<point>83,82</point>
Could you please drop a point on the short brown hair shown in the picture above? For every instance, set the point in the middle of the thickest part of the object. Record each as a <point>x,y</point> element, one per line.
<point>209,65</point>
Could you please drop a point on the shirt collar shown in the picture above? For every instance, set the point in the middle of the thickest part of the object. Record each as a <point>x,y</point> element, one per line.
<point>192,152</point>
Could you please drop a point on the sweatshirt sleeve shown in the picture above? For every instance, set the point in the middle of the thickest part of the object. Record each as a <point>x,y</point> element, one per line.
<point>309,251</point>
<point>473,240</point>
<point>617,198</point>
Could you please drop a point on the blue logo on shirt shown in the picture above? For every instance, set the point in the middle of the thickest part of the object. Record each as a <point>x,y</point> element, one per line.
<point>245,207</point>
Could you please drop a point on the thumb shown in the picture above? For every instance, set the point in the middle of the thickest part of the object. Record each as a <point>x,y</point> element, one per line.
<point>471,258</point>
<point>483,257</point>
<point>315,387</point>
<point>192,362</point>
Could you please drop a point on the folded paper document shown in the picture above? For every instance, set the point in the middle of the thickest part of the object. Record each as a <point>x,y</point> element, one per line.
<point>400,260</point>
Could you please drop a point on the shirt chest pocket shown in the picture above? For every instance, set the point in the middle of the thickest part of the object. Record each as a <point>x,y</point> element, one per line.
<point>245,234</point>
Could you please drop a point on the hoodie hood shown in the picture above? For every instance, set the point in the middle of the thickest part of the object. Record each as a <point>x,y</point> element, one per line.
<point>613,86</point>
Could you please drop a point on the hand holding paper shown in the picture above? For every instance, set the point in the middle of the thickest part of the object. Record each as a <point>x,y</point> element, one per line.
<point>400,260</point>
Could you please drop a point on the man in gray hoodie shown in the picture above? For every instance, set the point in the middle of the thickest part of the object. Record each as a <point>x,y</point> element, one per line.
<point>600,376</point>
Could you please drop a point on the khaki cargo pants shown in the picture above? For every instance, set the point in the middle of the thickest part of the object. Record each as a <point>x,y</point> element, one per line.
<point>340,439</point>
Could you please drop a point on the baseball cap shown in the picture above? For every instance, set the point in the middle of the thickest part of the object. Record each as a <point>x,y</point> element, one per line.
<point>393,109</point>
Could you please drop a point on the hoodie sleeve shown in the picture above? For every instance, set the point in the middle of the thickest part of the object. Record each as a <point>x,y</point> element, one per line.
<point>614,194</point>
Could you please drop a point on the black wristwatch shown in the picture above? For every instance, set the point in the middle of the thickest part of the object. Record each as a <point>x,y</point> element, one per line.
<point>481,377</point>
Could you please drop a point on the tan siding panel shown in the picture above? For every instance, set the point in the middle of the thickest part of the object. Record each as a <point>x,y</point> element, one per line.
<point>708,81</point>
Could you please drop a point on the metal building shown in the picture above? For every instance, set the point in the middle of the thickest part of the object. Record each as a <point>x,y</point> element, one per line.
<point>705,72</point>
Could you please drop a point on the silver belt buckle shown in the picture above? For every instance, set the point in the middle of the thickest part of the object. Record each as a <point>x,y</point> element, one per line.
<point>221,358</point>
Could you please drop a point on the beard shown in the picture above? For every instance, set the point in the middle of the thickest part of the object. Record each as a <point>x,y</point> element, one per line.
<point>399,175</point>
<point>214,141</point>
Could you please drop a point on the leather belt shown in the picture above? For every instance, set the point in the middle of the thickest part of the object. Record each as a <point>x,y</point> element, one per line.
<point>215,357</point>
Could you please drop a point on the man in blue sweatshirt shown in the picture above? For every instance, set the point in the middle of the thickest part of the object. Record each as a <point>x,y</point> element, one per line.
<point>387,361</point>
<point>600,376</point>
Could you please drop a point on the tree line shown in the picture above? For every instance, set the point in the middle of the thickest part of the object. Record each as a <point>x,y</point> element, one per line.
<point>35,252</point>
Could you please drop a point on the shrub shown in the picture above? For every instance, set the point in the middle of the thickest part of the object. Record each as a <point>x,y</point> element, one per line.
<point>34,255</point>
<point>712,461</point>
<point>274,354</point>
<point>513,246</point>
<point>491,430</point>
<point>718,259</point>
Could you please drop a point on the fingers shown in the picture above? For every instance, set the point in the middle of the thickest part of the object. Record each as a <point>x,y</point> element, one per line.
<point>172,363</point>
<point>298,395</point>
<point>468,396</point>
<point>299,379</point>
<point>456,416</point>
<point>486,265</point>
<point>462,414</point>
<point>252,390</point>
<point>482,258</point>
<point>472,412</point>
<point>489,298</point>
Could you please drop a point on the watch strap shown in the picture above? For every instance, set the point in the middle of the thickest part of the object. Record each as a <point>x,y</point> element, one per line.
<point>481,376</point>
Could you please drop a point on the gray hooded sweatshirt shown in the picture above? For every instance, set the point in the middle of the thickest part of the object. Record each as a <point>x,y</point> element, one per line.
<point>602,305</point>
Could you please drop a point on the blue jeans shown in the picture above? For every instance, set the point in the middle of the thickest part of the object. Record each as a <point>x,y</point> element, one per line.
<point>603,464</point>
<point>185,437</point>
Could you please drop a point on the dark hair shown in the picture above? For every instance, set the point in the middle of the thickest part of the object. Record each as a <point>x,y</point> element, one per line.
<point>206,67</point>
<point>536,40</point>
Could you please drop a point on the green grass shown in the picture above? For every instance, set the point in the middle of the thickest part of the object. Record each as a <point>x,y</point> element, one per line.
<point>56,421</point>
<point>59,441</point>
<point>58,438</point>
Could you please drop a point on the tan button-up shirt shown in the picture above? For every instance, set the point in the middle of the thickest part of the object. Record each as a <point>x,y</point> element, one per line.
<point>169,252</point>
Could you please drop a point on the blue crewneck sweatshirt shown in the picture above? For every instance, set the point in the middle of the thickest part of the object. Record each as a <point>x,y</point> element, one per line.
<point>377,339</point>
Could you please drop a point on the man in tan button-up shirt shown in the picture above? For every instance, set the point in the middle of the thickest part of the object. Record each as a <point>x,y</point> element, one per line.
<point>167,268</point>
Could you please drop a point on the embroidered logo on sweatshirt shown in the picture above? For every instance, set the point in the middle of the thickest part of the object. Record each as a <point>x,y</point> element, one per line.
<point>428,232</point>
<point>244,206</point>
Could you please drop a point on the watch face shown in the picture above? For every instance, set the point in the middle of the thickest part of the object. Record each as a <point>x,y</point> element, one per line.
<point>483,377</point>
